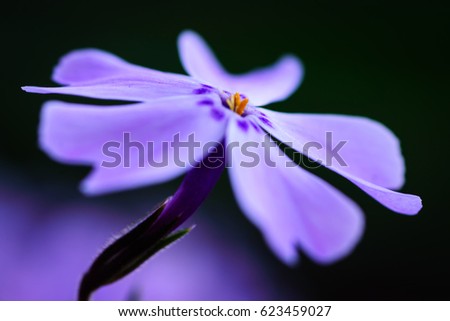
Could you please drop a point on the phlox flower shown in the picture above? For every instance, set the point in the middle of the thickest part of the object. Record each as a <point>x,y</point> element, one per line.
<point>293,208</point>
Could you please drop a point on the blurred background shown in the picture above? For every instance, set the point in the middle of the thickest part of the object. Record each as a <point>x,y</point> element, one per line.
<point>387,60</point>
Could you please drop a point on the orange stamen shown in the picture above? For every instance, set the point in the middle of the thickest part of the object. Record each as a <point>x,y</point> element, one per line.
<point>236,104</point>
<point>241,107</point>
<point>237,99</point>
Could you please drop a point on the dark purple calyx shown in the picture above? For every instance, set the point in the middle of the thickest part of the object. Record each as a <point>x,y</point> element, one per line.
<point>157,230</point>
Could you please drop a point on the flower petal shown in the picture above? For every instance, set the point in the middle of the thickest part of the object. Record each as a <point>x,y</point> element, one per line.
<point>398,202</point>
<point>94,65</point>
<point>262,86</point>
<point>97,74</point>
<point>360,149</point>
<point>291,206</point>
<point>126,90</point>
<point>132,145</point>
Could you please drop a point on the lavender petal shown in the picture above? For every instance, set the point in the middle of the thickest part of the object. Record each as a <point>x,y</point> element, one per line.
<point>97,74</point>
<point>291,207</point>
<point>131,145</point>
<point>370,157</point>
<point>262,86</point>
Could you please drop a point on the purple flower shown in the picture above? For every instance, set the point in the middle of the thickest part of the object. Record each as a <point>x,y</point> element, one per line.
<point>293,208</point>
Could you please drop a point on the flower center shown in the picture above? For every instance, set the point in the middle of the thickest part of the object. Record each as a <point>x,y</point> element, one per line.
<point>236,104</point>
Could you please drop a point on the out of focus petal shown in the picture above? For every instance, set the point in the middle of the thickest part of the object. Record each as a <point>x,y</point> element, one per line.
<point>369,150</point>
<point>360,149</point>
<point>293,208</point>
<point>132,145</point>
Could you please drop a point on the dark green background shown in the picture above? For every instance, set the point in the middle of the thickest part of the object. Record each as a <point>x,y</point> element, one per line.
<point>387,60</point>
